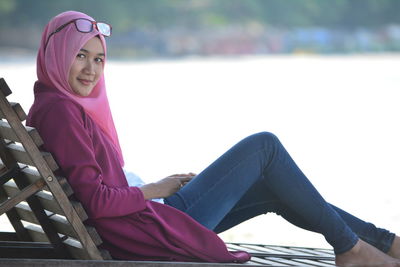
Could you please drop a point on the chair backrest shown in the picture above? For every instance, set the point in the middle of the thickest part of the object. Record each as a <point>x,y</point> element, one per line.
<point>37,202</point>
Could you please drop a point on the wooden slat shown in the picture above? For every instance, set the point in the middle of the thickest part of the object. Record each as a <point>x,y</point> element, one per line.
<point>50,204</point>
<point>7,160</point>
<point>37,233</point>
<point>7,174</point>
<point>26,213</point>
<point>4,87</point>
<point>76,250</point>
<point>66,187</point>
<point>33,175</point>
<point>73,246</point>
<point>47,200</point>
<point>94,235</point>
<point>27,250</point>
<point>42,217</point>
<point>105,254</point>
<point>7,133</point>
<point>25,193</point>
<point>19,228</point>
<point>14,219</point>
<point>23,157</point>
<point>21,115</point>
<point>8,236</point>
<point>60,223</point>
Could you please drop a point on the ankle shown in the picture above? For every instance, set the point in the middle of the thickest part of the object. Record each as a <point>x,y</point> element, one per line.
<point>363,254</point>
<point>354,250</point>
<point>394,250</point>
<point>350,254</point>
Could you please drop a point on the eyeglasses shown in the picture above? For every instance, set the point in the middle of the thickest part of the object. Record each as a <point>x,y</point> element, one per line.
<point>85,26</point>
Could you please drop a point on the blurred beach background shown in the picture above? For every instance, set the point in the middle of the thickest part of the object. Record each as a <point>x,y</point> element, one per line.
<point>187,79</point>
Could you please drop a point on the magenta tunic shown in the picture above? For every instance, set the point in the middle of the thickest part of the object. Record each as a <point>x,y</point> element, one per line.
<point>131,227</point>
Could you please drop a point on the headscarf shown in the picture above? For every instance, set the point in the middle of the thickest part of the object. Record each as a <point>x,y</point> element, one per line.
<point>54,63</point>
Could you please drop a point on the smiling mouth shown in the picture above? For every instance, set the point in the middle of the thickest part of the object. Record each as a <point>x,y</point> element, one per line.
<point>84,81</point>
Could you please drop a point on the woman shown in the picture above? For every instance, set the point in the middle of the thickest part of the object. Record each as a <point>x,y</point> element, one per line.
<point>256,176</point>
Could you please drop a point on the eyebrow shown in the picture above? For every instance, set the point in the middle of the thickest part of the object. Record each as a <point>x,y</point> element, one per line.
<point>87,51</point>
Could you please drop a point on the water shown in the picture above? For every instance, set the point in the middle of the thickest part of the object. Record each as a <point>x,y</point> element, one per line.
<point>337,116</point>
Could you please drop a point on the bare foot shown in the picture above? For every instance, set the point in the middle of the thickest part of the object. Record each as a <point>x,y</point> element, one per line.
<point>363,254</point>
<point>395,249</point>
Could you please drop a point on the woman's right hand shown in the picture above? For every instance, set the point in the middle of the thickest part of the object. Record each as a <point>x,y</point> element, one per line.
<point>166,187</point>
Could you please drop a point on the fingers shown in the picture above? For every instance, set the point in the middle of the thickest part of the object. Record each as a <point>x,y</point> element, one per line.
<point>182,178</point>
<point>184,174</point>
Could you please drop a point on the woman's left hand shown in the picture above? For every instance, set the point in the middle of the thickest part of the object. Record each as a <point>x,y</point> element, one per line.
<point>167,186</point>
<point>189,177</point>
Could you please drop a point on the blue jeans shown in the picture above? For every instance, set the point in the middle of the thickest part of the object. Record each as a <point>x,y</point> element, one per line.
<point>257,176</point>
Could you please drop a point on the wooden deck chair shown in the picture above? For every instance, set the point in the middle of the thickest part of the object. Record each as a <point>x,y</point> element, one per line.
<point>48,223</point>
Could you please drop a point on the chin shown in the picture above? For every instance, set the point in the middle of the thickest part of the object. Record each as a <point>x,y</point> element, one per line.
<point>86,93</point>
<point>83,91</point>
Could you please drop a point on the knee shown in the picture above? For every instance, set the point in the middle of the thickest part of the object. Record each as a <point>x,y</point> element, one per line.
<point>265,137</point>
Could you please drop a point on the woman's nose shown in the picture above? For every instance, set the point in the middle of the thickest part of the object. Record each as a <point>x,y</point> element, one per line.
<point>89,67</point>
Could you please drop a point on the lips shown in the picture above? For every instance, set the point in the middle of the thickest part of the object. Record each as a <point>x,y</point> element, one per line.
<point>85,81</point>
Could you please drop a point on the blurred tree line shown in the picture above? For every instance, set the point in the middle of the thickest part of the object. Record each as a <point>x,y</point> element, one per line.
<point>21,18</point>
<point>197,13</point>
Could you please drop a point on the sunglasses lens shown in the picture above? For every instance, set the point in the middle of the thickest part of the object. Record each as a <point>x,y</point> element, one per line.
<point>83,25</point>
<point>104,28</point>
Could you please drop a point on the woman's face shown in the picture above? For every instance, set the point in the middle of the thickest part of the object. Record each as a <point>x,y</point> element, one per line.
<point>87,67</point>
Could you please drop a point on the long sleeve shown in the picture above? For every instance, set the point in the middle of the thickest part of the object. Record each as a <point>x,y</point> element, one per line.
<point>88,160</point>
<point>131,227</point>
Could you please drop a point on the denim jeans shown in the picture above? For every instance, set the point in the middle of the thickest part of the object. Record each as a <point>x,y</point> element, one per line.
<point>257,176</point>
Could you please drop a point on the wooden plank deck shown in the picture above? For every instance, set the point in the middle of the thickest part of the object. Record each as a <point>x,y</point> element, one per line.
<point>270,255</point>
<point>262,255</point>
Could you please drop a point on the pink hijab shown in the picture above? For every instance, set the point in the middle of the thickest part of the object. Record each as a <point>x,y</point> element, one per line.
<point>53,67</point>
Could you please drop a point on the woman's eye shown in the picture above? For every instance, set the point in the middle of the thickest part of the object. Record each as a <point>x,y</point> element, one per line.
<point>80,56</point>
<point>99,59</point>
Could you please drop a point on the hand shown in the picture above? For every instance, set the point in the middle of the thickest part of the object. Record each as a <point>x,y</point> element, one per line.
<point>167,186</point>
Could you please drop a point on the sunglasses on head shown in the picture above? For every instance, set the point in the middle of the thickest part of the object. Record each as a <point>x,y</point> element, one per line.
<point>85,26</point>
